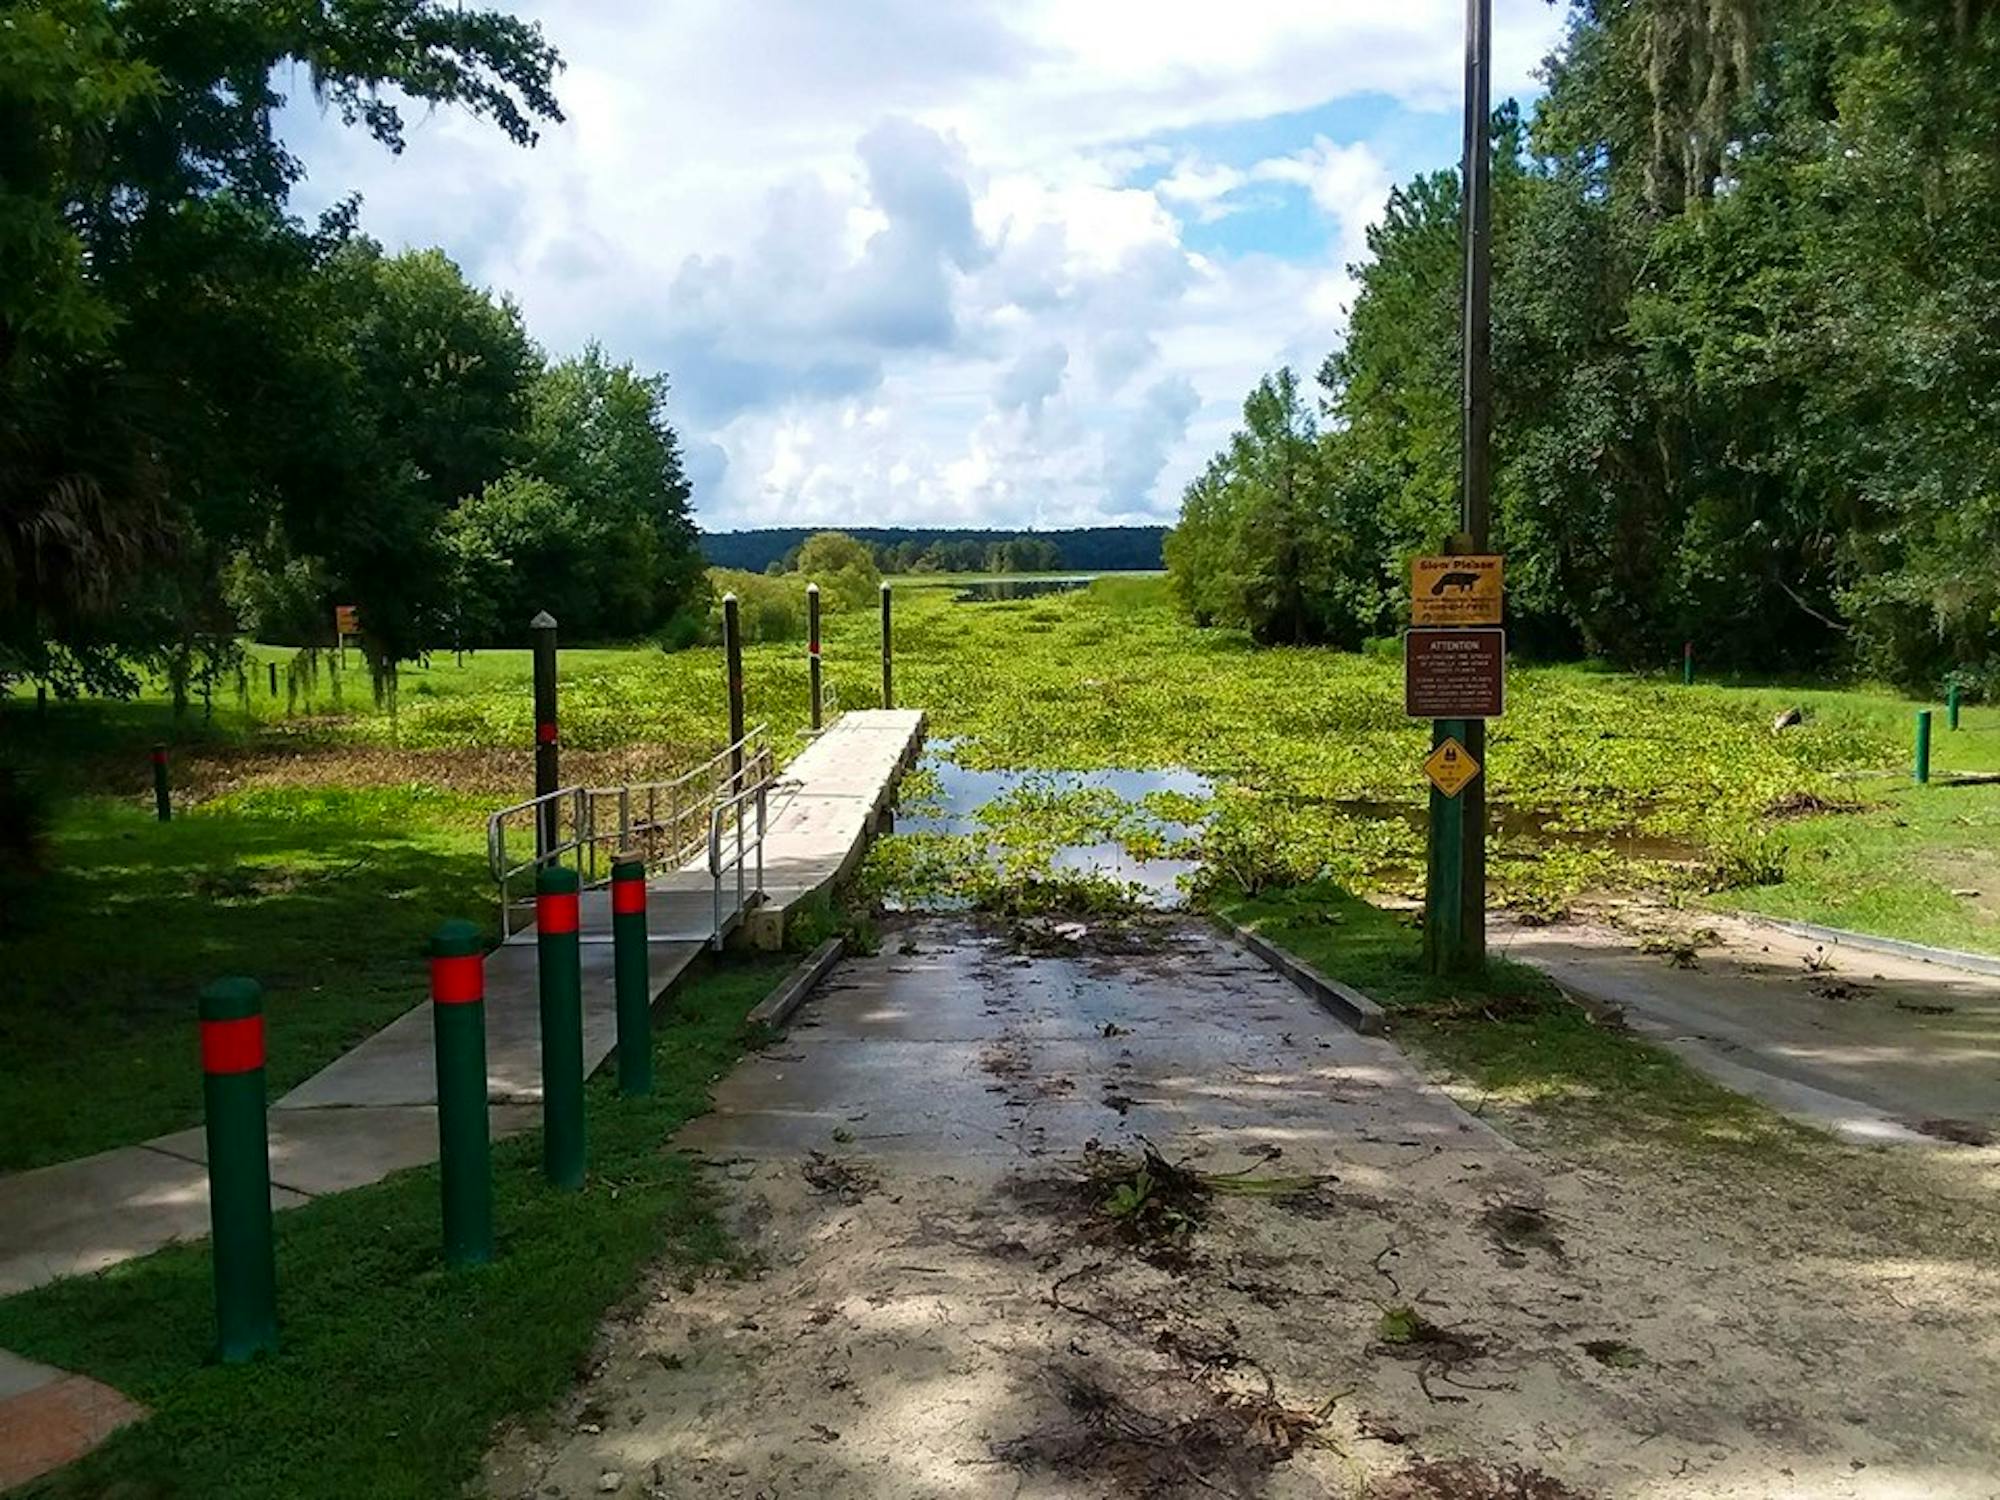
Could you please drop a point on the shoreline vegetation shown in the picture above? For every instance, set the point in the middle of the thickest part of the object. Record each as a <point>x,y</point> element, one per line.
<point>325,843</point>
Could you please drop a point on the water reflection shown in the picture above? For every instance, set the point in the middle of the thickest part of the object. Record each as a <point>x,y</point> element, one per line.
<point>959,793</point>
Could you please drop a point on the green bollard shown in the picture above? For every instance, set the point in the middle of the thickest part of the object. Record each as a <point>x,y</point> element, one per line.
<point>1951,706</point>
<point>239,1169</point>
<point>1923,765</point>
<point>458,1028</point>
<point>632,975</point>
<point>1687,664</point>
<point>561,963</point>
<point>163,802</point>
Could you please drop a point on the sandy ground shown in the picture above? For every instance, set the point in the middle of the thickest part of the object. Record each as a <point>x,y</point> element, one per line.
<point>1348,1286</point>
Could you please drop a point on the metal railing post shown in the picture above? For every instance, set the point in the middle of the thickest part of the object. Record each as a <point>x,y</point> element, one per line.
<point>715,875</point>
<point>496,854</point>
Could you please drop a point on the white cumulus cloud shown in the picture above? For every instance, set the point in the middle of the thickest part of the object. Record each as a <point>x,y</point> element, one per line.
<point>1004,262</point>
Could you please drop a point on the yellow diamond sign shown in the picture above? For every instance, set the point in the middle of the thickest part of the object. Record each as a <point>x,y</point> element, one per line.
<point>1450,768</point>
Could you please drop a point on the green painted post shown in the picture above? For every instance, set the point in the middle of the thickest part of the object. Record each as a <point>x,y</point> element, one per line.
<point>163,802</point>
<point>1687,663</point>
<point>1951,706</point>
<point>888,696</point>
<point>561,963</point>
<point>1922,768</point>
<point>812,650</point>
<point>1444,896</point>
<point>632,975</point>
<point>458,1028</point>
<point>239,1169</point>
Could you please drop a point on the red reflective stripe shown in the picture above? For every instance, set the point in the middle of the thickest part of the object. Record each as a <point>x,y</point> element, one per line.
<point>159,757</point>
<point>457,979</point>
<point>556,912</point>
<point>545,733</point>
<point>627,897</point>
<point>232,1046</point>
<point>813,649</point>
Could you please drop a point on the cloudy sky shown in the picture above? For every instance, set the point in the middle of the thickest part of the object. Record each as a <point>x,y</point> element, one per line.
<point>983,262</point>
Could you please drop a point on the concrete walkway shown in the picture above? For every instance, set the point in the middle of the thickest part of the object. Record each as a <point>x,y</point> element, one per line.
<point>1871,1046</point>
<point>373,1110</point>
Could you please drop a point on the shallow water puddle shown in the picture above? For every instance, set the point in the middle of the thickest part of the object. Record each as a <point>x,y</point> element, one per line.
<point>1106,823</point>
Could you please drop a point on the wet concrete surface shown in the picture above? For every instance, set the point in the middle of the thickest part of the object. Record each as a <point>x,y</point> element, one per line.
<point>951,1043</point>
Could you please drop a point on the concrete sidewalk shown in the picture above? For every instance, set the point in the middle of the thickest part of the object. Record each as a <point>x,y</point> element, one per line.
<point>1871,1046</point>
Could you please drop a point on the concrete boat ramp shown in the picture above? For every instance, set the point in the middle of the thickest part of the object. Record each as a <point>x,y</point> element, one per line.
<point>373,1111</point>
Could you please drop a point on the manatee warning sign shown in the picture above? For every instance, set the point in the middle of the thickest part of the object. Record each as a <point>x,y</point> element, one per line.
<point>1455,590</point>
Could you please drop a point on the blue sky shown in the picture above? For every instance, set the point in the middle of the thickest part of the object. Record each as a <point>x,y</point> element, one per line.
<point>1002,264</point>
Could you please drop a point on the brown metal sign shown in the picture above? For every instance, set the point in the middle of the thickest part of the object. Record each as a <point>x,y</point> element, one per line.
<point>1454,674</point>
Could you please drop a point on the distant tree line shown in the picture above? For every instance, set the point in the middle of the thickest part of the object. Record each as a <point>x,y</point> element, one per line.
<point>216,417</point>
<point>1020,554</point>
<point>1093,549</point>
<point>1746,356</point>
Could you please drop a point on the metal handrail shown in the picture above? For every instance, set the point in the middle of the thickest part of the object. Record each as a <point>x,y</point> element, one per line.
<point>546,809</point>
<point>674,837</point>
<point>718,814</point>
<point>662,820</point>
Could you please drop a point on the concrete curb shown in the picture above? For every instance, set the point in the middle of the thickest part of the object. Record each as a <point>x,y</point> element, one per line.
<point>1949,958</point>
<point>1342,1001</point>
<point>776,1008</point>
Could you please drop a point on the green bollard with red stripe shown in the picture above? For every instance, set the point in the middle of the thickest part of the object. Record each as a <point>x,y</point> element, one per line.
<point>631,968</point>
<point>458,1027</point>
<point>239,1169</point>
<point>561,963</point>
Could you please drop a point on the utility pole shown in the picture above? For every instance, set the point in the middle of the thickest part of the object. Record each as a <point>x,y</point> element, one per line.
<point>1476,430</point>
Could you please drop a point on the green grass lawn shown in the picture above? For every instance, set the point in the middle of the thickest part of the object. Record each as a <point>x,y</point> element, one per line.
<point>1922,863</point>
<point>325,895</point>
<point>392,1370</point>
